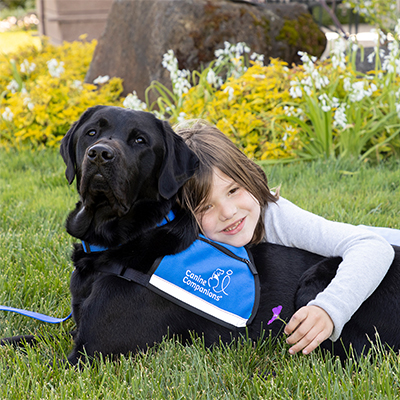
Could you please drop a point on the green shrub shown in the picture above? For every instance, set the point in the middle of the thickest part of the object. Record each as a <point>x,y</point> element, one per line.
<point>320,109</point>
<point>42,92</point>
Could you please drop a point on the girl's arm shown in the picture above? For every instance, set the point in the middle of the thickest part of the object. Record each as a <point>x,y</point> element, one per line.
<point>366,256</point>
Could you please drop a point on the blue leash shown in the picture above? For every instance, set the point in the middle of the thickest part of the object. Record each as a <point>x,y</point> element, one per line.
<point>35,315</point>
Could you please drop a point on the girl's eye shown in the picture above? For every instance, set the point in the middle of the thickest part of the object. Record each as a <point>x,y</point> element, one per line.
<point>206,208</point>
<point>92,132</point>
<point>233,190</point>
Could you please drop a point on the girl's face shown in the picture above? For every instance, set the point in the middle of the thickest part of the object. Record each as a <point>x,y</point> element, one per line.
<point>231,214</point>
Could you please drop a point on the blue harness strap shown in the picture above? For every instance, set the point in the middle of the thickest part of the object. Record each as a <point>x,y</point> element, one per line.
<point>92,248</point>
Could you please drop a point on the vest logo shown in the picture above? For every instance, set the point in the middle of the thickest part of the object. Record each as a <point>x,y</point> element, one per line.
<point>217,283</point>
<point>220,284</point>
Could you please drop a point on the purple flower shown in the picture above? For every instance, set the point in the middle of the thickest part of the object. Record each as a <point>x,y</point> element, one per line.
<point>276,311</point>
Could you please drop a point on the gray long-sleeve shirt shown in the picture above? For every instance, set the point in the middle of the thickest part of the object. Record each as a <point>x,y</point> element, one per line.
<point>366,256</point>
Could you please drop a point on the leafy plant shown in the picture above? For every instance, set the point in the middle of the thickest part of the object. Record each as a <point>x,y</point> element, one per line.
<point>232,61</point>
<point>42,93</point>
<point>348,114</point>
<point>381,14</point>
<point>320,109</point>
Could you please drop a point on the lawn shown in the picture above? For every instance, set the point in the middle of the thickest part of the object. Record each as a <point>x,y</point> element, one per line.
<point>10,41</point>
<point>34,202</point>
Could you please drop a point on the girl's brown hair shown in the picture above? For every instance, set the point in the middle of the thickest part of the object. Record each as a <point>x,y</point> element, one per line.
<point>215,150</point>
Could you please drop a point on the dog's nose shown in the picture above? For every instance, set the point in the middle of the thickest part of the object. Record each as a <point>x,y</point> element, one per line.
<point>100,153</point>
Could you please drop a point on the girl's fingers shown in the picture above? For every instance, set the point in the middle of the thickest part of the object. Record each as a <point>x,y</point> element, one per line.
<point>308,328</point>
<point>309,342</point>
<point>296,320</point>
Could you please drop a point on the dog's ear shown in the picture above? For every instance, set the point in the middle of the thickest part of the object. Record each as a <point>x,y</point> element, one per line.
<point>67,148</point>
<point>179,163</point>
<point>68,153</point>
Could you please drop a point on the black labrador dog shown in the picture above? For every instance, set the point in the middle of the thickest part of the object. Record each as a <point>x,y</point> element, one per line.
<point>129,167</point>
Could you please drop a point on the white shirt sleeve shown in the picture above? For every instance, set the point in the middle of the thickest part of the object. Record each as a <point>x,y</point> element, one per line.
<point>366,256</point>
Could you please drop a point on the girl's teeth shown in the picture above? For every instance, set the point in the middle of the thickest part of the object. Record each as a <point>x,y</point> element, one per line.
<point>233,227</point>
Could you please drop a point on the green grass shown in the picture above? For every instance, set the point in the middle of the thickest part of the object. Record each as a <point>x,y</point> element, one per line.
<point>35,270</point>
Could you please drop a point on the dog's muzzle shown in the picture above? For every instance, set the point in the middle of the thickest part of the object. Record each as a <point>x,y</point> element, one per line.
<point>100,154</point>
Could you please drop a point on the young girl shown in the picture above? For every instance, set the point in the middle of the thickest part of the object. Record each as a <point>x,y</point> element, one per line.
<point>232,203</point>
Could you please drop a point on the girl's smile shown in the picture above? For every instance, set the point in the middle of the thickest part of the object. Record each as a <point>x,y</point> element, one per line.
<point>235,228</point>
<point>231,213</point>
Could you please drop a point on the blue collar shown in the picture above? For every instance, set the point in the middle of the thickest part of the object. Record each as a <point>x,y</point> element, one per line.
<point>91,248</point>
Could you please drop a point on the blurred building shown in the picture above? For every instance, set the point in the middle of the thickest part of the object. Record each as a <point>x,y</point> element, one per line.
<point>67,20</point>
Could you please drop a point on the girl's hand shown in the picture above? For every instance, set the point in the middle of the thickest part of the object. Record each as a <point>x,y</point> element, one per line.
<point>308,328</point>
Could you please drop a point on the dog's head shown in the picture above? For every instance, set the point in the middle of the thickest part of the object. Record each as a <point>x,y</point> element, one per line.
<point>128,167</point>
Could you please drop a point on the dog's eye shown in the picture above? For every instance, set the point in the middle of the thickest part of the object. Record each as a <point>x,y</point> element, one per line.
<point>92,132</point>
<point>140,140</point>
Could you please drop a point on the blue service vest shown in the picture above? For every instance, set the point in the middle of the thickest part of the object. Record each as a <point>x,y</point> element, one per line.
<point>215,280</point>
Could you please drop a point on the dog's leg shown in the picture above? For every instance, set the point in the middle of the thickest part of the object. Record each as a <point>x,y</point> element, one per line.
<point>315,280</point>
<point>20,340</point>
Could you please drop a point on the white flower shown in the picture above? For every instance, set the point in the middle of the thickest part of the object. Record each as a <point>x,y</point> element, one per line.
<point>158,114</point>
<point>358,92</point>
<point>292,111</point>
<point>325,102</point>
<point>338,55</point>
<point>361,89</point>
<point>257,58</point>
<point>382,37</point>
<point>319,81</point>
<point>230,91</point>
<point>213,79</point>
<point>180,83</point>
<point>347,84</point>
<point>181,117</point>
<point>55,68</point>
<point>397,28</point>
<point>232,56</point>
<point>28,102</point>
<point>391,61</point>
<point>308,63</point>
<point>295,89</point>
<point>398,109</point>
<point>133,102</point>
<point>77,84</point>
<point>101,79</point>
<point>13,86</point>
<point>7,114</point>
<point>288,110</point>
<point>335,102</point>
<point>371,56</point>
<point>169,62</point>
<point>340,117</point>
<point>26,67</point>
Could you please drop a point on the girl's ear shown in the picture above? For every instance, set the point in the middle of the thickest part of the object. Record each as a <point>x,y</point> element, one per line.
<point>179,163</point>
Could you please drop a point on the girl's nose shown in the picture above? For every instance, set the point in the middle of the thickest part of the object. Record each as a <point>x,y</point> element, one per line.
<point>227,211</point>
